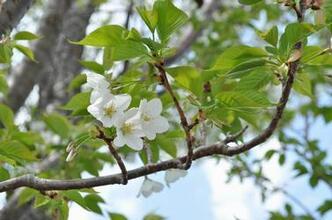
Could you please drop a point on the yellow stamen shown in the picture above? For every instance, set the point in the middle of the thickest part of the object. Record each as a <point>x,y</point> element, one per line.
<point>109,111</point>
<point>127,128</point>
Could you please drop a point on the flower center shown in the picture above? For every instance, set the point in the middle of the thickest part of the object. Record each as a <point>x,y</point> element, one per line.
<point>127,128</point>
<point>146,118</point>
<point>109,111</point>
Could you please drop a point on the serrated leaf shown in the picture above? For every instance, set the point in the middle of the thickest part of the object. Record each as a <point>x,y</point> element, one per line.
<point>188,77</point>
<point>294,33</point>
<point>16,151</point>
<point>92,201</point>
<point>170,19</point>
<point>150,17</point>
<point>58,124</point>
<point>302,84</point>
<point>271,36</point>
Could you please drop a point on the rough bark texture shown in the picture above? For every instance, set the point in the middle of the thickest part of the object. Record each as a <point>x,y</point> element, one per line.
<point>11,12</point>
<point>28,73</point>
<point>66,57</point>
<point>57,65</point>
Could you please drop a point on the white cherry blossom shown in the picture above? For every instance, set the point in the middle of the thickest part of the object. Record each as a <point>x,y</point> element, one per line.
<point>109,108</point>
<point>150,186</point>
<point>151,120</point>
<point>172,175</point>
<point>129,130</point>
<point>99,86</point>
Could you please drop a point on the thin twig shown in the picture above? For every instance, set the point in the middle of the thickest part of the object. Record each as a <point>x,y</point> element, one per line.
<point>184,122</point>
<point>115,154</point>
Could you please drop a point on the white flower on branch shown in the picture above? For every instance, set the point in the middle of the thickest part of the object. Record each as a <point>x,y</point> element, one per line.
<point>151,120</point>
<point>172,175</point>
<point>109,108</point>
<point>150,186</point>
<point>99,86</point>
<point>129,130</point>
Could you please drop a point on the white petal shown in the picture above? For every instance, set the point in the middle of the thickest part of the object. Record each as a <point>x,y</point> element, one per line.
<point>122,101</point>
<point>104,93</point>
<point>95,110</point>
<point>157,187</point>
<point>159,124</point>
<point>119,140</point>
<point>154,107</point>
<point>134,142</point>
<point>150,186</point>
<point>173,175</point>
<point>130,113</point>
<point>96,81</point>
<point>150,134</point>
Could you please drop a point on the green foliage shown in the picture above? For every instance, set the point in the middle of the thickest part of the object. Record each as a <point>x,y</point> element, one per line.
<point>25,35</point>
<point>58,124</point>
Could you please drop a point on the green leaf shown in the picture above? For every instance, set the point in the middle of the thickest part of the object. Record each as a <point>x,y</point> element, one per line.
<point>325,207</point>
<point>328,13</point>
<point>298,166</point>
<point>188,77</point>
<point>166,144</point>
<point>105,36</point>
<point>302,84</point>
<point>27,138</point>
<point>58,124</point>
<point>26,51</point>
<point>255,80</point>
<point>6,116</point>
<point>236,60</point>
<point>76,83</point>
<point>268,155</point>
<point>294,33</point>
<point>128,49</point>
<point>117,216</point>
<point>40,200</point>
<point>313,181</point>
<point>107,58</point>
<point>92,201</point>
<point>282,159</point>
<point>5,53</point>
<point>4,174</point>
<point>16,151</point>
<point>78,102</point>
<point>3,84</point>
<point>75,196</point>
<point>64,210</point>
<point>153,216</point>
<point>170,19</point>
<point>150,17</point>
<point>239,99</point>
<point>25,35</point>
<point>271,36</point>
<point>249,2</point>
<point>93,66</point>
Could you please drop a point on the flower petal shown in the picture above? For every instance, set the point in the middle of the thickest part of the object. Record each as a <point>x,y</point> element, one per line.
<point>122,101</point>
<point>154,107</point>
<point>134,142</point>
<point>119,140</point>
<point>96,81</point>
<point>159,124</point>
<point>173,175</point>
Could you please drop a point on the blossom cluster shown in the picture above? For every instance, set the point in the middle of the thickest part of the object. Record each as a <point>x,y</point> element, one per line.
<point>131,124</point>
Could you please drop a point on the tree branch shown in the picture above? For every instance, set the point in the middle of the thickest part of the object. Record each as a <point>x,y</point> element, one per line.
<point>220,148</point>
<point>11,13</point>
<point>115,154</point>
<point>184,122</point>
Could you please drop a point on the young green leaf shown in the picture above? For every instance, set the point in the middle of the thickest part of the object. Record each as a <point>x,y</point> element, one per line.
<point>25,51</point>
<point>150,17</point>
<point>249,2</point>
<point>6,116</point>
<point>271,36</point>
<point>170,19</point>
<point>58,124</point>
<point>25,35</point>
